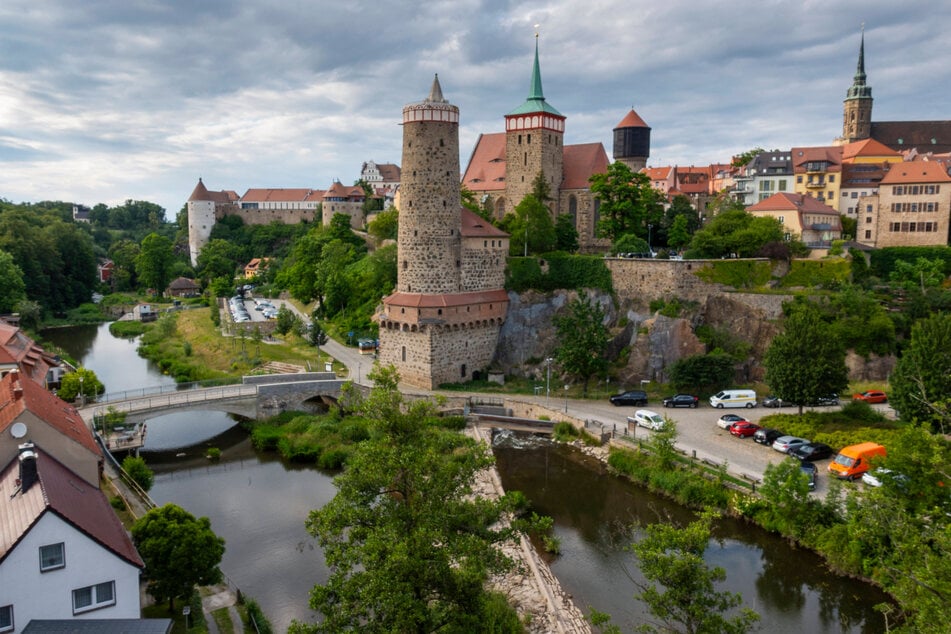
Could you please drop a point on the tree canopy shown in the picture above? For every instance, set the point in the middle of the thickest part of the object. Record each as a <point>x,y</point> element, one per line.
<point>12,288</point>
<point>921,382</point>
<point>408,545</point>
<point>179,551</point>
<point>627,201</point>
<point>584,340</point>
<point>735,233</point>
<point>154,261</point>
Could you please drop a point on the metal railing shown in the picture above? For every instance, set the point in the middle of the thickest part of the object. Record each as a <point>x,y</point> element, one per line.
<point>179,399</point>
<point>127,395</point>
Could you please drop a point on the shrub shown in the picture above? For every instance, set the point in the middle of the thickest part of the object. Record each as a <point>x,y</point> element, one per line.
<point>256,618</point>
<point>213,453</point>
<point>117,503</point>
<point>127,328</point>
<point>138,471</point>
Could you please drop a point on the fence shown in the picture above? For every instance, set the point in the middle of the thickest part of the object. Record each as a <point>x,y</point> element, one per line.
<point>179,399</point>
<point>163,389</point>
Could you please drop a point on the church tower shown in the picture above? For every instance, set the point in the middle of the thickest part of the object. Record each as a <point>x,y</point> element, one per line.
<point>534,142</point>
<point>857,119</point>
<point>442,323</point>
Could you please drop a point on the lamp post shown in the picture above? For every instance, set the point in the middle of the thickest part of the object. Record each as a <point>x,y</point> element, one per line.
<point>82,394</point>
<point>566,399</point>
<point>649,248</point>
<point>548,382</point>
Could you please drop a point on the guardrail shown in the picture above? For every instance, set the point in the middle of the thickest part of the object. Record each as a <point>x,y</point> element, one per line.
<point>164,389</point>
<point>178,399</point>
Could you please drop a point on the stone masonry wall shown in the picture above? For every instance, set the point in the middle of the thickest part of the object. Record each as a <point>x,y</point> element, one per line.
<point>437,355</point>
<point>483,263</point>
<point>540,150</point>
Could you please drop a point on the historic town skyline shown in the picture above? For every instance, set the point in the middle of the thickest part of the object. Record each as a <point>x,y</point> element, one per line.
<point>105,102</point>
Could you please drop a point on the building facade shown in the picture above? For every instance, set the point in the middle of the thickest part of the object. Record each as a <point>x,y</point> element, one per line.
<point>442,323</point>
<point>912,208</point>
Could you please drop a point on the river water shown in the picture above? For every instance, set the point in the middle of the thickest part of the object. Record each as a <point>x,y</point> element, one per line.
<point>258,504</point>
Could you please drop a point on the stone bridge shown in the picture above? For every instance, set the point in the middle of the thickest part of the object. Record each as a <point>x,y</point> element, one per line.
<point>256,396</point>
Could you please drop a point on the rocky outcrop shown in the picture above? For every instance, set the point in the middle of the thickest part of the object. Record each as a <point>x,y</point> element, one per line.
<point>874,368</point>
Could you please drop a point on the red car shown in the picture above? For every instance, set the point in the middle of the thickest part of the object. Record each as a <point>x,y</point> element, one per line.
<point>872,396</point>
<point>743,428</point>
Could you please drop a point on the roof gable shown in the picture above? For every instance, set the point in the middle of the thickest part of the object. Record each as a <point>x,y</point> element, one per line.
<point>581,162</point>
<point>474,226</point>
<point>786,201</point>
<point>631,120</point>
<point>866,147</point>
<point>486,169</point>
<point>916,172</point>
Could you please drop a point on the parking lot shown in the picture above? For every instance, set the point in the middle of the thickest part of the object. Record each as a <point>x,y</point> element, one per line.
<point>698,432</point>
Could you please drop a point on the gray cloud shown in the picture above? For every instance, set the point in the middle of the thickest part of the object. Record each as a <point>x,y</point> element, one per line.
<point>105,100</point>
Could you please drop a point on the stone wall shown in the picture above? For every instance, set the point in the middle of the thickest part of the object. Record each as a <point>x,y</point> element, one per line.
<point>267,216</point>
<point>429,356</point>
<point>483,263</point>
<point>528,152</point>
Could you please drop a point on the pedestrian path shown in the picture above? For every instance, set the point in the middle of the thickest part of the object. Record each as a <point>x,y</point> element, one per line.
<point>216,597</point>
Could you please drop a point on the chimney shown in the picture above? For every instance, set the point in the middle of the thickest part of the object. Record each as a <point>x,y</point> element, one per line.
<point>28,473</point>
<point>17,387</point>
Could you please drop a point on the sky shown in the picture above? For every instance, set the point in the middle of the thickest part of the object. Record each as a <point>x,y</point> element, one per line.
<point>102,101</point>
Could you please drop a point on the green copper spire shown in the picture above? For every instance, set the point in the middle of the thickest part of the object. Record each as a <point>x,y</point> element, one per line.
<point>859,89</point>
<point>536,97</point>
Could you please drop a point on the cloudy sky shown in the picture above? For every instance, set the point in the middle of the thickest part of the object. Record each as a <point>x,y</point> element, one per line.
<point>108,100</point>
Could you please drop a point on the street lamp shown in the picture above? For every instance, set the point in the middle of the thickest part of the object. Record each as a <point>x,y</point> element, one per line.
<point>548,382</point>
<point>566,399</point>
<point>649,249</point>
<point>82,394</point>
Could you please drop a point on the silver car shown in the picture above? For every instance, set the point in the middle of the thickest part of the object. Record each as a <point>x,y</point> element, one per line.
<point>784,443</point>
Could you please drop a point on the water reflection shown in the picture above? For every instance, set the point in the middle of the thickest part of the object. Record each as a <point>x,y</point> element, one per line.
<point>789,587</point>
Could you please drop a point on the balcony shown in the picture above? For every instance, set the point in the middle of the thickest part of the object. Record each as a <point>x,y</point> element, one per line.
<point>816,184</point>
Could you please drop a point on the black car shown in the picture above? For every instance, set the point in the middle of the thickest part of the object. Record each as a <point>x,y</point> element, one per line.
<point>631,397</point>
<point>812,451</point>
<point>830,399</point>
<point>810,471</point>
<point>766,435</point>
<point>775,401</point>
<point>681,400</point>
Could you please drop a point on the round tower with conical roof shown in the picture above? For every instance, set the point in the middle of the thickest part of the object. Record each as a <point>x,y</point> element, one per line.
<point>429,240</point>
<point>857,109</point>
<point>534,142</point>
<point>632,142</point>
<point>201,220</point>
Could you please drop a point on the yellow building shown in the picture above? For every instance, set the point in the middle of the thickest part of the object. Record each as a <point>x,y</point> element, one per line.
<point>817,172</point>
<point>803,217</point>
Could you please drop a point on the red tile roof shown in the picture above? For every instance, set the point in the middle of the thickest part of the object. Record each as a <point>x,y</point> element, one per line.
<point>486,169</point>
<point>785,201</point>
<point>287,195</point>
<point>866,147</point>
<point>389,172</point>
<point>201,193</point>
<point>631,120</point>
<point>916,172</point>
<point>420,300</point>
<point>581,162</point>
<point>22,351</point>
<point>832,154</point>
<point>473,226</point>
<point>17,396</point>
<point>62,492</point>
<point>657,173</point>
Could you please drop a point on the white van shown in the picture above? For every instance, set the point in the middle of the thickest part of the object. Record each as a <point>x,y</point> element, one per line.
<point>734,398</point>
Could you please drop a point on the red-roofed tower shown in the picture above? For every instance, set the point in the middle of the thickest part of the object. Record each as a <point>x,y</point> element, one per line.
<point>442,323</point>
<point>632,142</point>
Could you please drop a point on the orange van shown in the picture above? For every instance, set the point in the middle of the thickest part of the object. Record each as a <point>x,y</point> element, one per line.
<point>852,461</point>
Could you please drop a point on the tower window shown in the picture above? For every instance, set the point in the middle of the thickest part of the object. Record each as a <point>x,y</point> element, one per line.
<point>441,143</point>
<point>463,370</point>
<point>405,264</point>
<point>520,139</point>
<point>404,354</point>
<point>529,141</point>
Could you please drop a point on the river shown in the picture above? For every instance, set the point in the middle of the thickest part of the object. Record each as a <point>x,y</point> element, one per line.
<point>259,505</point>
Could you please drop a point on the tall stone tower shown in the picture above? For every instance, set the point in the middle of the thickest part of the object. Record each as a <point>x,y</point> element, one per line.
<point>632,142</point>
<point>442,323</point>
<point>201,219</point>
<point>857,118</point>
<point>534,142</point>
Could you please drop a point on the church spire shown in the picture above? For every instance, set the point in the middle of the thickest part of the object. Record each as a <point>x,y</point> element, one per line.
<point>857,108</point>
<point>859,89</point>
<point>536,97</point>
<point>435,93</point>
<point>535,90</point>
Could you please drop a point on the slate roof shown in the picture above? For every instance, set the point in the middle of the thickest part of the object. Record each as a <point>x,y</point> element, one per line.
<point>927,136</point>
<point>18,396</point>
<point>99,626</point>
<point>62,492</point>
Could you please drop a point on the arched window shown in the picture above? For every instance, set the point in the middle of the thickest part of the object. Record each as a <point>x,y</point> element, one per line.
<point>500,208</point>
<point>573,209</point>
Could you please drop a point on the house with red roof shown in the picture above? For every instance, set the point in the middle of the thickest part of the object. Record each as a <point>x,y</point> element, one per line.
<point>912,207</point>
<point>30,413</point>
<point>20,353</point>
<point>64,555</point>
<point>814,223</point>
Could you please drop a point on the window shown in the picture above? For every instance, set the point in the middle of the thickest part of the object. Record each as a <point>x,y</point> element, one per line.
<point>6,618</point>
<point>831,178</point>
<point>799,179</point>
<point>52,556</point>
<point>781,219</point>
<point>94,597</point>
<point>868,234</point>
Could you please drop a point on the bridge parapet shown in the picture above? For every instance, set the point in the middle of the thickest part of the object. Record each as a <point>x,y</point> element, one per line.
<point>269,379</point>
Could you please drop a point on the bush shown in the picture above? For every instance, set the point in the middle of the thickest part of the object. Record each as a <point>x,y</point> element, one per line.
<point>256,619</point>
<point>565,271</point>
<point>817,273</point>
<point>138,471</point>
<point>127,328</point>
<point>117,503</point>
<point>737,273</point>
<point>213,453</point>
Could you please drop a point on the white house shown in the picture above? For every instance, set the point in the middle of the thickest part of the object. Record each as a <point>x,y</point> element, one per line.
<point>63,552</point>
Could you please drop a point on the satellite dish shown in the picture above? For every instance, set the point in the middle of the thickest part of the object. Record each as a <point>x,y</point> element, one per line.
<point>18,430</point>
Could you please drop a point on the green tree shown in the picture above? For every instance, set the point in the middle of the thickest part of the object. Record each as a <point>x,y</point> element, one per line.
<point>408,545</point>
<point>921,274</point>
<point>584,340</point>
<point>532,228</point>
<point>686,599</point>
<point>705,372</point>
<point>805,362</point>
<point>566,235</point>
<point>786,490</point>
<point>745,157</point>
<point>179,551</point>
<point>316,335</point>
<point>286,320</point>
<point>735,232</point>
<point>678,236</point>
<point>12,288</point>
<point>681,214</point>
<point>83,382</point>
<point>153,262</point>
<point>385,226</point>
<point>30,313</point>
<point>627,201</point>
<point>218,258</point>
<point>921,382</point>
<point>137,469</point>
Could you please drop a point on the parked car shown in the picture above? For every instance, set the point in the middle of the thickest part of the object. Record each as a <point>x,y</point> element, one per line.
<point>853,461</point>
<point>812,451</point>
<point>810,471</point>
<point>681,400</point>
<point>766,435</point>
<point>734,398</point>
<point>784,444</point>
<point>726,420</point>
<point>631,397</point>
<point>743,428</point>
<point>647,418</point>
<point>775,401</point>
<point>877,477</point>
<point>871,396</point>
<point>829,399</point>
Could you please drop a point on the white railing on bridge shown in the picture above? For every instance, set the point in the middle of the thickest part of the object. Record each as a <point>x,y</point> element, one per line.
<point>182,399</point>
<point>128,395</point>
